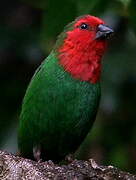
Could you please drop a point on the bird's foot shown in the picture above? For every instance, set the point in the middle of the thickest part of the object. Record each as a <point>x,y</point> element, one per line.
<point>18,153</point>
<point>69,158</point>
<point>37,153</point>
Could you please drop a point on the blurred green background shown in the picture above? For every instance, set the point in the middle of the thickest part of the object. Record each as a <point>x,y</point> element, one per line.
<point>28,30</point>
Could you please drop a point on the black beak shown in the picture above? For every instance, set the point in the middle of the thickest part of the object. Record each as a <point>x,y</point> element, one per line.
<point>103,32</point>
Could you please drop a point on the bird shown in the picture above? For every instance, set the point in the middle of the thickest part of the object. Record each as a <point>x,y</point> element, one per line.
<point>62,99</point>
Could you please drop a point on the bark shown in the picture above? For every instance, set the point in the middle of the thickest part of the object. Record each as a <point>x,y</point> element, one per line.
<point>17,168</point>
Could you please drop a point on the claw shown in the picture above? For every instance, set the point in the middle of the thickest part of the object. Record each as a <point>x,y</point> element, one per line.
<point>37,153</point>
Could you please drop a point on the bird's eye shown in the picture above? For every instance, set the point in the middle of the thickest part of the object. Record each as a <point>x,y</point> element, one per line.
<point>84,26</point>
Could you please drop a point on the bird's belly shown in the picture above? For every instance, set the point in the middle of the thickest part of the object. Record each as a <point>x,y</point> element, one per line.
<point>65,122</point>
<point>57,116</point>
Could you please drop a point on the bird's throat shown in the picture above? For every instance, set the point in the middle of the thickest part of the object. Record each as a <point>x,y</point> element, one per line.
<point>82,62</point>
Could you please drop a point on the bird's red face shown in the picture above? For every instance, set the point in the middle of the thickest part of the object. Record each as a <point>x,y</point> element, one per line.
<point>85,30</point>
<point>83,48</point>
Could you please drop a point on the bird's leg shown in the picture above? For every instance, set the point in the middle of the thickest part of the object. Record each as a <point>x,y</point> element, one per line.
<point>69,158</point>
<point>18,153</point>
<point>37,153</point>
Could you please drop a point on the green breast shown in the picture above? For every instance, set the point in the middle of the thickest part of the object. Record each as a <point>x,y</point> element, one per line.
<point>57,113</point>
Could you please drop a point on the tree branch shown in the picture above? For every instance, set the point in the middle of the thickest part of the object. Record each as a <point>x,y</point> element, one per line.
<point>16,168</point>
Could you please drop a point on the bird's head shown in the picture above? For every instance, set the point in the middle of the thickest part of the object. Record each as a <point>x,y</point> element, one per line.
<point>81,46</point>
